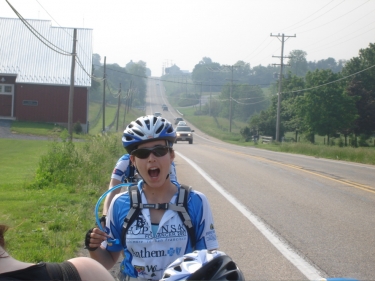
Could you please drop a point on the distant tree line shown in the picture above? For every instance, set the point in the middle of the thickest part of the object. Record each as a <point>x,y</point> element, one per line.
<point>326,102</point>
<point>319,97</point>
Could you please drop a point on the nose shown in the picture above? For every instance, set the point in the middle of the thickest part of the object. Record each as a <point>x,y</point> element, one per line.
<point>151,157</point>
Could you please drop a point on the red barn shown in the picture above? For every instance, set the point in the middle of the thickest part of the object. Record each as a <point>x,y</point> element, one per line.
<point>35,67</point>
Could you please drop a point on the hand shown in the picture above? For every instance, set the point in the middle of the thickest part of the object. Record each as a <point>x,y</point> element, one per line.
<point>94,237</point>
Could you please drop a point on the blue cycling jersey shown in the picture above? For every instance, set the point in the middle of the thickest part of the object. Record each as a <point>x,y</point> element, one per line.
<point>147,255</point>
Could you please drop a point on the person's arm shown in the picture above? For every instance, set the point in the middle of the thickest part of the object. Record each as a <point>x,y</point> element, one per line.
<point>106,258</point>
<point>110,196</point>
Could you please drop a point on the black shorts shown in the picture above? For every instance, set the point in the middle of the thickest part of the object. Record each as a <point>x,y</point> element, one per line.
<point>64,271</point>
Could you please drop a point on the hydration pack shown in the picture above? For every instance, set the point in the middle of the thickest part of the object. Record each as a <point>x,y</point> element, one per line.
<point>129,173</point>
<point>180,207</point>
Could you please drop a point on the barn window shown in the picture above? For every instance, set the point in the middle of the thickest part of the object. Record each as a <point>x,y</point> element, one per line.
<point>30,102</point>
<point>7,89</point>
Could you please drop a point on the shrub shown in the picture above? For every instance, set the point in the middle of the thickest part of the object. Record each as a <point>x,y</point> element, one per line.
<point>71,165</point>
<point>77,128</point>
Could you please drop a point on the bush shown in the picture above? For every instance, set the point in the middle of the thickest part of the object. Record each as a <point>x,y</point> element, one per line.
<point>245,133</point>
<point>77,128</point>
<point>71,165</point>
<point>363,140</point>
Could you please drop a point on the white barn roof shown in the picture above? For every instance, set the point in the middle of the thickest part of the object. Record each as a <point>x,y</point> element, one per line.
<point>23,54</point>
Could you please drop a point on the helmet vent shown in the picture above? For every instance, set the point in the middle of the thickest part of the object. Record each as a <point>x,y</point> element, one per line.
<point>139,133</point>
<point>147,122</point>
<point>159,129</point>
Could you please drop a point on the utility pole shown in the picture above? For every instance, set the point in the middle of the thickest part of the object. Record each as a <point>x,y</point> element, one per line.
<point>209,105</point>
<point>200,101</point>
<point>127,101</point>
<point>230,103</point>
<point>230,96</point>
<point>118,107</point>
<point>104,80</point>
<point>280,80</point>
<point>71,90</point>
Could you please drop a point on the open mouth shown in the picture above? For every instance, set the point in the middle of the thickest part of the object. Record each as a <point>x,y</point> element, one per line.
<point>154,172</point>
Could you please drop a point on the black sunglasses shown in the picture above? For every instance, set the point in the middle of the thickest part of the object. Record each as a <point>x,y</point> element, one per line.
<point>144,153</point>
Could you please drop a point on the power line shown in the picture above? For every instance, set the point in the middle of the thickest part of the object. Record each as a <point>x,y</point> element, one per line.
<point>83,50</point>
<point>343,78</point>
<point>39,36</point>
<point>306,17</point>
<point>335,18</point>
<point>322,14</point>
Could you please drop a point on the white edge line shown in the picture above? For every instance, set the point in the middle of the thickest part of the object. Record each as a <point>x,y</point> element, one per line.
<point>301,264</point>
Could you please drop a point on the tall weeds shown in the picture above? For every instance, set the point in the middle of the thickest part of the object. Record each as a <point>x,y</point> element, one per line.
<point>78,164</point>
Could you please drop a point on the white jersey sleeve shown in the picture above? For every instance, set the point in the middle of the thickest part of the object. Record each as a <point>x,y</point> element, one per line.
<point>120,168</point>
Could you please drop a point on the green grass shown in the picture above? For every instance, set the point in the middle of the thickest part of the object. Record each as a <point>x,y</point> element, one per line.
<point>110,113</point>
<point>215,127</point>
<point>35,128</point>
<point>19,159</point>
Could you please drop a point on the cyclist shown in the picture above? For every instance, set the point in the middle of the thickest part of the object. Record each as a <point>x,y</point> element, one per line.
<point>158,236</point>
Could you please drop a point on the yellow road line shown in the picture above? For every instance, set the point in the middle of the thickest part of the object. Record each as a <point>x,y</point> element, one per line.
<point>344,181</point>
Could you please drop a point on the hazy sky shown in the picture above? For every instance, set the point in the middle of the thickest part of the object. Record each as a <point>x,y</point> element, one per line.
<point>165,32</point>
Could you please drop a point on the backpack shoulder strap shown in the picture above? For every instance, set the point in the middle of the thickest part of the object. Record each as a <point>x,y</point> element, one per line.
<point>135,202</point>
<point>129,174</point>
<point>182,200</point>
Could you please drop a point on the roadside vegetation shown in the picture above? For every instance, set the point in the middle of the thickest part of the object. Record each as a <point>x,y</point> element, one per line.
<point>49,188</point>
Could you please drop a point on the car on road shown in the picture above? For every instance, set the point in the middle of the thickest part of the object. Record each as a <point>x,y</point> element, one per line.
<point>182,123</point>
<point>178,119</point>
<point>157,114</point>
<point>165,107</point>
<point>184,133</point>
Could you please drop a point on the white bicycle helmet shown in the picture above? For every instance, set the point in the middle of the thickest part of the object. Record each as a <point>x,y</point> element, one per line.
<point>145,129</point>
<point>203,265</point>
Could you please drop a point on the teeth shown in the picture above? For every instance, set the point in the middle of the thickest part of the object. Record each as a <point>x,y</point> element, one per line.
<point>153,168</point>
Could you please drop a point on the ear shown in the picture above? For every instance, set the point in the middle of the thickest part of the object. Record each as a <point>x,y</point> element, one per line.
<point>172,155</point>
<point>132,159</point>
